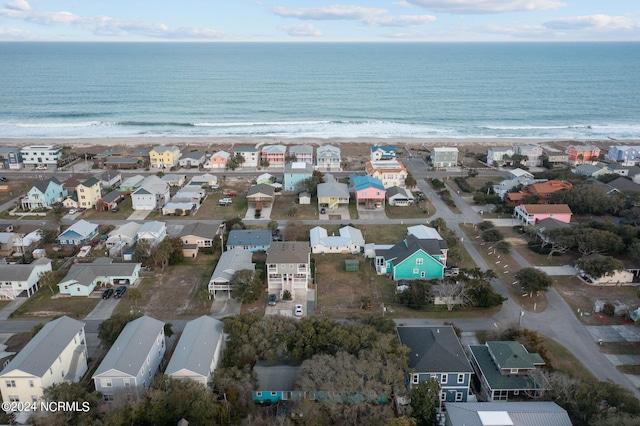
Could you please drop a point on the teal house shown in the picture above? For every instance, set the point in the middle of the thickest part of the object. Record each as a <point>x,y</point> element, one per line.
<point>413,259</point>
<point>294,173</point>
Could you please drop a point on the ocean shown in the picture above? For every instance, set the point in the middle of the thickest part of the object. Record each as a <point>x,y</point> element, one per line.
<point>384,90</point>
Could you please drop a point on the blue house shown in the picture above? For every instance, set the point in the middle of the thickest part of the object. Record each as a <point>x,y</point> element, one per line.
<point>383,152</point>
<point>80,233</point>
<point>248,239</point>
<point>627,155</point>
<point>295,173</point>
<point>413,259</point>
<point>436,352</point>
<point>43,194</point>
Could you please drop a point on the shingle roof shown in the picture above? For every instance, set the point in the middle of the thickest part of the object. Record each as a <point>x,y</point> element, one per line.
<point>522,413</point>
<point>274,149</point>
<point>288,252</point>
<point>46,346</point>
<point>86,273</point>
<point>396,190</point>
<point>244,149</point>
<point>112,196</point>
<point>624,185</point>
<point>20,272</point>
<point>496,380</point>
<point>90,182</point>
<point>434,349</point>
<point>332,189</point>
<point>82,228</point>
<point>199,229</point>
<point>197,346</point>
<point>193,155</point>
<point>130,350</point>
<point>261,188</point>
<point>510,354</point>
<point>42,185</point>
<point>249,237</point>
<point>410,245</point>
<point>164,148</point>
<point>546,208</point>
<point>302,149</point>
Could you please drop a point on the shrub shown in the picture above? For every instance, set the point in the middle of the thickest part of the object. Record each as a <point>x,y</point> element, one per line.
<point>609,309</point>
<point>463,184</point>
<point>491,235</point>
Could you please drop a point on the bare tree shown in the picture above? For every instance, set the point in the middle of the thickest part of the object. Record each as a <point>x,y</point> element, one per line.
<point>452,293</point>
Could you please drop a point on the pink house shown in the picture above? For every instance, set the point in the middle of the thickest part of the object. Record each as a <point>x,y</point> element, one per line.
<point>369,191</point>
<point>218,160</point>
<point>580,154</point>
<point>530,214</point>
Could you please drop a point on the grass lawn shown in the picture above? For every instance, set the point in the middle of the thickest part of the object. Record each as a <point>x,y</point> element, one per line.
<point>43,305</point>
<point>629,369</point>
<point>620,348</point>
<point>409,212</point>
<point>563,360</point>
<point>353,211</point>
<point>211,210</point>
<point>18,186</point>
<point>124,211</point>
<point>519,243</point>
<point>383,234</point>
<point>284,203</point>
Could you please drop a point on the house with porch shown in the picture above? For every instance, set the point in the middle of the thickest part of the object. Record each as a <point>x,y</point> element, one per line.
<point>152,232</point>
<point>531,214</point>
<point>57,354</point>
<point>198,352</point>
<point>436,353</point>
<point>507,371</point>
<point>294,173</point>
<point>43,194</point>
<point>383,153</point>
<point>133,359</point>
<point>78,234</point>
<point>624,155</point>
<point>390,172</point>
<point>22,279</point>
<point>250,154</point>
<point>413,259</point>
<point>45,156</point>
<point>288,267</point>
<point>349,240</point>
<point>174,179</point>
<point>124,235</point>
<point>88,193</point>
<point>230,262</point>
<point>444,157</point>
<point>131,183</point>
<point>8,243</point>
<point>302,153</point>
<point>249,239</point>
<point>196,236</point>
<point>164,156</point>
<point>369,192</point>
<point>397,196</point>
<point>153,193</point>
<point>554,156</point>
<point>499,155</point>
<point>328,158</point>
<point>591,170</point>
<point>533,154</point>
<point>261,195</point>
<point>274,154</point>
<point>332,194</point>
<point>580,154</point>
<point>193,159</point>
<point>218,160</point>
<point>83,278</point>
<point>110,178</point>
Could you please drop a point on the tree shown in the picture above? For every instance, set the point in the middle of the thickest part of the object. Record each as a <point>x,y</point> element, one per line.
<point>597,241</point>
<point>531,199</point>
<point>135,295</point>
<point>533,279</point>
<point>177,255</point>
<point>87,411</point>
<point>161,253</point>
<point>600,266</point>
<point>491,235</point>
<point>410,182</point>
<point>36,329</point>
<point>517,159</point>
<point>425,401</point>
<point>453,293</point>
<point>503,246</point>
<point>49,279</point>
<point>109,330</point>
<point>273,225</point>
<point>142,251</point>
<point>246,286</point>
<point>417,295</point>
<point>203,295</point>
<point>264,163</point>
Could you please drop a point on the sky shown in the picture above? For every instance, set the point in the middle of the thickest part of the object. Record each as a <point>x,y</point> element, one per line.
<point>320,21</point>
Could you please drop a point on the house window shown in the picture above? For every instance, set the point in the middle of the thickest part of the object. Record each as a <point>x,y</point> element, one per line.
<point>443,396</point>
<point>516,392</point>
<point>126,382</point>
<point>274,393</point>
<point>31,384</point>
<point>514,371</point>
<point>107,397</point>
<point>444,378</point>
<point>106,383</point>
<point>460,378</point>
<point>458,396</point>
<point>416,270</point>
<point>416,379</point>
<point>14,398</point>
<point>422,274</point>
<point>11,383</point>
<point>419,261</point>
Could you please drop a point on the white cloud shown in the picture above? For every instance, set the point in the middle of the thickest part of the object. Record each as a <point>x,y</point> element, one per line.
<point>108,26</point>
<point>486,6</point>
<point>303,30</point>
<point>399,21</point>
<point>600,22</point>
<point>16,34</point>
<point>21,5</point>
<point>335,12</point>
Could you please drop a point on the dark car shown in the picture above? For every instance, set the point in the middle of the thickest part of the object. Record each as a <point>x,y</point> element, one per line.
<point>3,179</point>
<point>322,211</point>
<point>272,300</point>
<point>115,209</point>
<point>107,293</point>
<point>119,291</point>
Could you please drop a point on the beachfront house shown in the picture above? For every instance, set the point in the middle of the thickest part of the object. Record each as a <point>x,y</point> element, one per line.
<point>250,154</point>
<point>531,214</point>
<point>533,154</point>
<point>580,154</point>
<point>41,156</point>
<point>218,160</point>
<point>133,359</point>
<point>301,153</point>
<point>444,157</point>
<point>435,352</point>
<point>554,156</point>
<point>83,278</point>
<point>78,234</point>
<point>230,262</point>
<point>164,157</point>
<point>328,158</point>
<point>390,172</point>
<point>506,370</point>
<point>57,354</point>
<point>295,173</point>
<point>153,193</point>
<point>43,194</point>
<point>369,192</point>
<point>12,158</point>
<point>198,352</point>
<point>625,155</point>
<point>383,153</point>
<point>499,156</point>
<point>193,159</point>
<point>274,155</point>
<point>22,279</point>
<point>288,267</point>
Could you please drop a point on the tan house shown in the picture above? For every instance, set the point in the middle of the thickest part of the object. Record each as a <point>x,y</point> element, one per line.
<point>218,160</point>
<point>164,157</point>
<point>89,193</point>
<point>195,236</point>
<point>390,172</point>
<point>261,195</point>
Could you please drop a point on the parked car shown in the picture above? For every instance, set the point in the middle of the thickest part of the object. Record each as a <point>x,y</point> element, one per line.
<point>225,201</point>
<point>230,193</point>
<point>272,300</point>
<point>73,211</point>
<point>3,179</point>
<point>298,311</point>
<point>107,293</point>
<point>119,291</point>
<point>323,210</point>
<point>115,209</point>
<point>452,271</point>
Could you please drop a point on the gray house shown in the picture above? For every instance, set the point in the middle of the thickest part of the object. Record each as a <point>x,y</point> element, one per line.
<point>133,359</point>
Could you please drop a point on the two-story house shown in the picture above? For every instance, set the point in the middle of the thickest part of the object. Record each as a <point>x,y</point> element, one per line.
<point>196,236</point>
<point>288,267</point>
<point>43,194</point>
<point>274,155</point>
<point>133,359</point>
<point>231,261</point>
<point>41,156</point>
<point>413,259</point>
<point>436,353</point>
<point>531,214</point>
<point>328,158</point>
<point>369,192</point>
<point>80,233</point>
<point>12,158</point>
<point>164,157</point>
<point>294,173</point>
<point>499,155</point>
<point>390,172</point>
<point>301,153</point>
<point>332,194</point>
<point>625,155</point>
<point>17,279</point>
<point>57,354</point>
<point>533,154</point>
<point>110,178</point>
<point>250,154</point>
<point>580,154</point>
<point>383,153</point>
<point>153,193</point>
<point>444,157</point>
<point>218,160</point>
<point>152,232</point>
<point>507,371</point>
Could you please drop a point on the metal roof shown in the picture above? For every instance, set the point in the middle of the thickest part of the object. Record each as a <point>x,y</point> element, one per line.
<point>230,262</point>
<point>523,413</point>
<point>197,346</point>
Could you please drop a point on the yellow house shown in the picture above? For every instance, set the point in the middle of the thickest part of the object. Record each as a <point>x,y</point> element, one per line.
<point>88,193</point>
<point>164,157</point>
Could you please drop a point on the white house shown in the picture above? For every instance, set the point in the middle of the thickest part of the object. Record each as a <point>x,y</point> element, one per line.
<point>251,155</point>
<point>133,359</point>
<point>206,179</point>
<point>231,261</point>
<point>153,232</point>
<point>110,178</point>
<point>328,158</point>
<point>533,154</point>
<point>83,278</point>
<point>397,196</point>
<point>198,352</point>
<point>123,235</point>
<point>174,179</point>
<point>41,156</point>
<point>350,240</point>
<point>152,194</point>
<point>58,353</point>
<point>302,153</point>
<point>500,155</point>
<point>443,157</point>
<point>192,159</point>
<point>18,278</point>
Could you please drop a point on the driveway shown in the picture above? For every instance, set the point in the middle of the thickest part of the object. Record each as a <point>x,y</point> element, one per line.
<point>103,309</point>
<point>566,270</point>
<point>221,308</point>
<point>139,215</point>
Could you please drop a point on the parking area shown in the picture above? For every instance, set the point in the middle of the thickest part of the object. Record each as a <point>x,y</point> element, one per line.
<point>614,333</point>
<point>286,307</point>
<point>342,211</point>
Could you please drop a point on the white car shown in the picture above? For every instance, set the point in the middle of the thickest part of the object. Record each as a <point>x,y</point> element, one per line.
<point>73,211</point>
<point>298,311</point>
